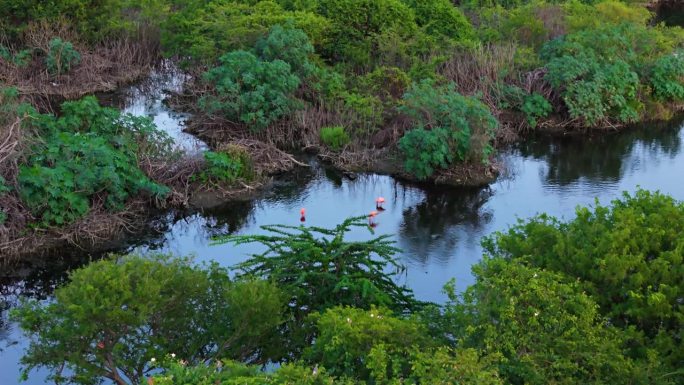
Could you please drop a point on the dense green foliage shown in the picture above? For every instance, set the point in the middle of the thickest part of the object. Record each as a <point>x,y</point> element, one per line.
<point>541,329</point>
<point>250,90</point>
<point>627,257</point>
<point>334,137</point>
<point>258,88</point>
<point>319,269</point>
<point>535,106</point>
<point>234,373</point>
<point>667,77</point>
<point>225,167</point>
<point>376,347</point>
<point>593,68</point>
<point>449,128</point>
<point>115,316</point>
<point>94,20</point>
<point>198,30</point>
<point>87,154</point>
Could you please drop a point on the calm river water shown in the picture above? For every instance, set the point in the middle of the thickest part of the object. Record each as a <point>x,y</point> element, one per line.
<point>439,229</point>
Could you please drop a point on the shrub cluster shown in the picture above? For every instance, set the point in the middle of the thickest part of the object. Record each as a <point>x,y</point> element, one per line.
<point>449,128</point>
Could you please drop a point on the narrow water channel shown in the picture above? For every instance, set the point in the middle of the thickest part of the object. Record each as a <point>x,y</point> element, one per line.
<point>438,228</point>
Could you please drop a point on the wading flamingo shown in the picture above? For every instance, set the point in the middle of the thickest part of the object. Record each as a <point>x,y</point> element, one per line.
<point>371,218</point>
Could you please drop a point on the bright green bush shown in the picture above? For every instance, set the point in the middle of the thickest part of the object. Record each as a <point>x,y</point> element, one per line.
<point>667,77</point>
<point>377,347</point>
<point>367,111</point>
<point>115,316</point>
<point>449,128</point>
<point>441,18</point>
<point>250,90</point>
<point>626,256</point>
<point>427,151</point>
<point>61,56</point>
<point>198,29</point>
<point>290,45</point>
<point>358,25</point>
<point>88,153</point>
<point>595,72</point>
<point>535,106</point>
<point>538,326</point>
<point>334,137</point>
<point>59,186</point>
<point>235,373</point>
<point>225,167</point>
<point>347,338</point>
<point>601,13</point>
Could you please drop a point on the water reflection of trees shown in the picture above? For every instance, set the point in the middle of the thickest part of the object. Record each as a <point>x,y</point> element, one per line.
<point>434,228</point>
<point>32,278</point>
<point>603,157</point>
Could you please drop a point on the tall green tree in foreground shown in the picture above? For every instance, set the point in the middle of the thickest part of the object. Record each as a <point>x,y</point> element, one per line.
<point>318,268</point>
<point>116,316</point>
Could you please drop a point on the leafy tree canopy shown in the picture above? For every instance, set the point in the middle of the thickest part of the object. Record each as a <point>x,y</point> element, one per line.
<point>116,315</point>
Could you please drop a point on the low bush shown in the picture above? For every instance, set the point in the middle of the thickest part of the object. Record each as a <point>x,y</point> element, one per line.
<point>449,128</point>
<point>61,56</point>
<point>594,72</point>
<point>227,372</point>
<point>535,106</point>
<point>667,77</point>
<point>225,167</point>
<point>250,90</point>
<point>89,154</point>
<point>334,137</point>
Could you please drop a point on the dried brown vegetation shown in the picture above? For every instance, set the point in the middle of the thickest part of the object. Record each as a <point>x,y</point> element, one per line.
<point>103,67</point>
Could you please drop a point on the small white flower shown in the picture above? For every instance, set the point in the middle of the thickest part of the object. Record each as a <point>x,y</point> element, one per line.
<point>153,360</point>
<point>348,320</point>
<point>536,313</point>
<point>372,315</point>
<point>535,275</point>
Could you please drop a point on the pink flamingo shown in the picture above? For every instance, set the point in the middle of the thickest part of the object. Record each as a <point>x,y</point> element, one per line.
<point>378,204</point>
<point>371,218</point>
<point>302,212</point>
